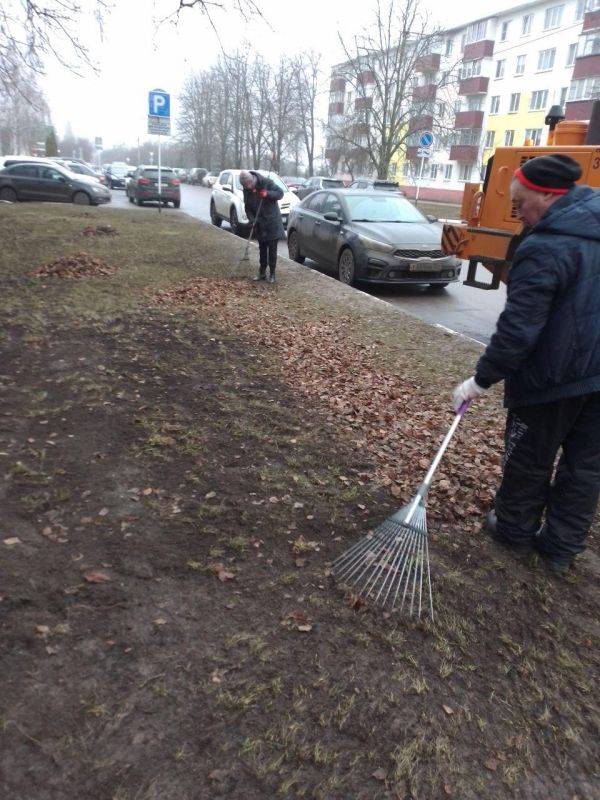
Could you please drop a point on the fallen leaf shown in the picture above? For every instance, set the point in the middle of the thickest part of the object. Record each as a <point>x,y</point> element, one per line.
<point>51,650</point>
<point>103,512</point>
<point>448,709</point>
<point>379,774</point>
<point>217,774</point>
<point>221,573</point>
<point>97,577</point>
<point>147,491</point>
<point>42,630</point>
<point>491,764</point>
<point>300,562</point>
<point>12,541</point>
<point>304,628</point>
<point>160,621</point>
<point>210,495</point>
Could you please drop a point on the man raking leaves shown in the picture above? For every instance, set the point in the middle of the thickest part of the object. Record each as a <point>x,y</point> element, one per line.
<point>546,349</point>
<point>261,196</point>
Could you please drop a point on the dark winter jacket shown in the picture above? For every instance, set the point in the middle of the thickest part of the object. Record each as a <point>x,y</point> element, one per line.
<point>547,341</point>
<point>268,223</point>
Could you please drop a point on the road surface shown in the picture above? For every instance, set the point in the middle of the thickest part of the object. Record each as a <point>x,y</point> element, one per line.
<point>470,312</point>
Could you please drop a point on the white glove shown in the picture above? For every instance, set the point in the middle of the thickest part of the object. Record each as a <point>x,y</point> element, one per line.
<point>467,390</point>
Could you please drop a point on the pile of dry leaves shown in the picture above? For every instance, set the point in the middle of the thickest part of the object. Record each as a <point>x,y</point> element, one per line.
<point>77,265</point>
<point>100,230</point>
<point>389,416</point>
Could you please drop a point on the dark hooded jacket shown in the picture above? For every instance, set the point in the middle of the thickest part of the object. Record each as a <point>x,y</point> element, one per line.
<point>547,341</point>
<point>268,223</point>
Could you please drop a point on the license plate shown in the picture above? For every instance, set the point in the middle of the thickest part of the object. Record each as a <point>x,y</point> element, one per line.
<point>424,267</point>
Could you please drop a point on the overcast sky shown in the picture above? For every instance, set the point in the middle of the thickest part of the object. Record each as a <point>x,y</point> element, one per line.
<point>139,53</point>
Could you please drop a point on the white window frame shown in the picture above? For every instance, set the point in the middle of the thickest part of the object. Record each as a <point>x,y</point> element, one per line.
<point>448,170</point>
<point>585,89</point>
<point>553,17</point>
<point>535,134</point>
<point>520,63</point>
<point>514,95</point>
<point>589,45</point>
<point>463,175</point>
<point>562,98</point>
<point>538,100</point>
<point>489,139</point>
<point>546,59</point>
<point>526,24</point>
<point>509,138</point>
<point>504,30</point>
<point>500,68</point>
<point>495,104</point>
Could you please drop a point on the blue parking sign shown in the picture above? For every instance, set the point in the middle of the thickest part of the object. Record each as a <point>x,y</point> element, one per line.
<point>426,139</point>
<point>159,103</point>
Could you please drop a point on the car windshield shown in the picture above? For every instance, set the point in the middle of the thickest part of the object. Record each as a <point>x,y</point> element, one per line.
<point>368,208</point>
<point>153,173</point>
<point>119,170</point>
<point>329,184</point>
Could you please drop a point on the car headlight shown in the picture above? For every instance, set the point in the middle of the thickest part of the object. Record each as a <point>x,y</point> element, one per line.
<point>376,245</point>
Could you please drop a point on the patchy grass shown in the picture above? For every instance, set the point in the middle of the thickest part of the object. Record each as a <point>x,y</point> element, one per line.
<point>180,456</point>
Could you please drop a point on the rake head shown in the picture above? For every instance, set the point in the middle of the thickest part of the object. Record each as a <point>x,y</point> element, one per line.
<point>391,564</point>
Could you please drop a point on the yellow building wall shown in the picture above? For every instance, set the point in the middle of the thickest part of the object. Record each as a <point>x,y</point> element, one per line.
<point>518,122</point>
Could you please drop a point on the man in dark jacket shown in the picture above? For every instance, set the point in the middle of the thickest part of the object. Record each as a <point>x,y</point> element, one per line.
<point>546,348</point>
<point>261,196</point>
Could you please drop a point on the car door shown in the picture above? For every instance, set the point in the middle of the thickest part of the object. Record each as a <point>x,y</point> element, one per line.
<point>222,197</point>
<point>25,181</point>
<point>326,232</point>
<point>54,185</point>
<point>310,220</point>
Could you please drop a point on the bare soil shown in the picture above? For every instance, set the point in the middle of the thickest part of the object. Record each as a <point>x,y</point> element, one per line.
<point>177,475</point>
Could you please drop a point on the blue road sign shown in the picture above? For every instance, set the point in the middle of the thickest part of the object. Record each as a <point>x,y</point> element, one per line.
<point>426,139</point>
<point>159,103</point>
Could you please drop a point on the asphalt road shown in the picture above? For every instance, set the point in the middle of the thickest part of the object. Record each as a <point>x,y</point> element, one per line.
<point>470,312</point>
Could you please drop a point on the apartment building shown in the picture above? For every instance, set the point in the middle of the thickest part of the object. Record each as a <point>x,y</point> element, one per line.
<point>510,69</point>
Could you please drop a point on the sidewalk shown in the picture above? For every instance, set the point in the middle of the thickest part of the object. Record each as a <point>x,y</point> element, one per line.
<point>183,453</point>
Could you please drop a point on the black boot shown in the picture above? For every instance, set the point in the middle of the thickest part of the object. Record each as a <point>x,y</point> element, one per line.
<point>559,565</point>
<point>262,275</point>
<point>272,276</point>
<point>490,526</point>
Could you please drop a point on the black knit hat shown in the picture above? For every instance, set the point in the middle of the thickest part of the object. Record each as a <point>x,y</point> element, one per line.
<point>554,174</point>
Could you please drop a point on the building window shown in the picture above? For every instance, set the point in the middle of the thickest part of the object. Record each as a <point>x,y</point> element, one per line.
<point>546,59</point>
<point>526,24</point>
<point>553,17</point>
<point>392,170</point>
<point>515,100</point>
<point>449,46</point>
<point>504,31</point>
<point>495,104</point>
<point>534,135</point>
<point>500,68</point>
<point>563,96</point>
<point>539,100</point>
<point>465,172</point>
<point>433,172</point>
<point>448,172</point>
<point>585,89</point>
<point>489,139</point>
<point>520,67</point>
<point>509,137</point>
<point>470,69</point>
<point>571,55</point>
<point>475,102</point>
<point>470,136</point>
<point>406,169</point>
<point>583,6</point>
<point>590,45</point>
<point>476,31</point>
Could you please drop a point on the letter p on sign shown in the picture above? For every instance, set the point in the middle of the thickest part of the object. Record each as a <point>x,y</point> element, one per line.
<point>159,103</point>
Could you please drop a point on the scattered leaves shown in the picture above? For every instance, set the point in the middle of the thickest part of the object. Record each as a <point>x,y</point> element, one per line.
<point>97,577</point>
<point>78,265</point>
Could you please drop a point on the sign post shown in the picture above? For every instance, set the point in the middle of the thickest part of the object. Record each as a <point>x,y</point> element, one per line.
<point>425,151</point>
<point>159,122</point>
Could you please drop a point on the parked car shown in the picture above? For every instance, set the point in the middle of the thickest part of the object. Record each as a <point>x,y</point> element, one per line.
<point>210,179</point>
<point>80,168</point>
<point>196,174</point>
<point>46,180</point>
<point>316,183</point>
<point>116,174</point>
<point>142,185</point>
<point>370,236</point>
<point>294,182</point>
<point>182,174</point>
<point>377,185</point>
<point>227,200</point>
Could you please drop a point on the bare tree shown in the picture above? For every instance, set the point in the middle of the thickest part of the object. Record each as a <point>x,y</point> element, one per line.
<point>306,76</point>
<point>280,105</point>
<point>24,113</point>
<point>393,73</point>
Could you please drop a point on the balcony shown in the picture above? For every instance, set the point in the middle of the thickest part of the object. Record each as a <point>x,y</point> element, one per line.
<point>424,94</point>
<point>478,85</point>
<point>587,67</point>
<point>360,129</point>
<point>591,21</point>
<point>336,108</point>
<point>363,102</point>
<point>483,49</point>
<point>337,85</point>
<point>428,63</point>
<point>468,119</point>
<point>366,77</point>
<point>464,152</point>
<point>579,109</point>
<point>424,123</point>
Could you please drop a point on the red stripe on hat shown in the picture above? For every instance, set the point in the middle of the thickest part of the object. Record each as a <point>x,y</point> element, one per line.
<point>536,188</point>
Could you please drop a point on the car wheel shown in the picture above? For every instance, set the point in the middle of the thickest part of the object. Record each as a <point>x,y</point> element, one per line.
<point>81,199</point>
<point>6,193</point>
<point>235,223</point>
<point>437,287</point>
<point>347,267</point>
<point>176,203</point>
<point>139,202</point>
<point>294,248</point>
<point>214,218</point>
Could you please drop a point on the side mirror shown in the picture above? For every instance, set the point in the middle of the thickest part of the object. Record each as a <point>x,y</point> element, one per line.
<point>226,188</point>
<point>331,216</point>
<point>431,218</point>
<point>62,179</point>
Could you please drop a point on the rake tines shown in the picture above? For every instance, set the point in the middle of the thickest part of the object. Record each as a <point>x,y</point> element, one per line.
<point>392,563</point>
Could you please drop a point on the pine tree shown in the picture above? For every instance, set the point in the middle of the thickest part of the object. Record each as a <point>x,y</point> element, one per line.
<point>51,145</point>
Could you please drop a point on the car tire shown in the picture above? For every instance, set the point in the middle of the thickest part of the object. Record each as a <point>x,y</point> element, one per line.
<point>139,202</point>
<point>9,194</point>
<point>176,203</point>
<point>294,248</point>
<point>234,223</point>
<point>82,199</point>
<point>214,218</point>
<point>437,287</point>
<point>347,267</point>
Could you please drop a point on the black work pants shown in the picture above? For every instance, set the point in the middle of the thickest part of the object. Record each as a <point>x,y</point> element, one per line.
<point>268,254</point>
<point>534,435</point>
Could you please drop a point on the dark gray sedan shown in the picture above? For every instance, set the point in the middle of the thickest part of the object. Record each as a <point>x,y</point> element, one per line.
<point>371,236</point>
<point>50,182</point>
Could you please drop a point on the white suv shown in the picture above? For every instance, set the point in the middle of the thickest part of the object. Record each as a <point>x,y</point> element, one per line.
<point>227,200</point>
